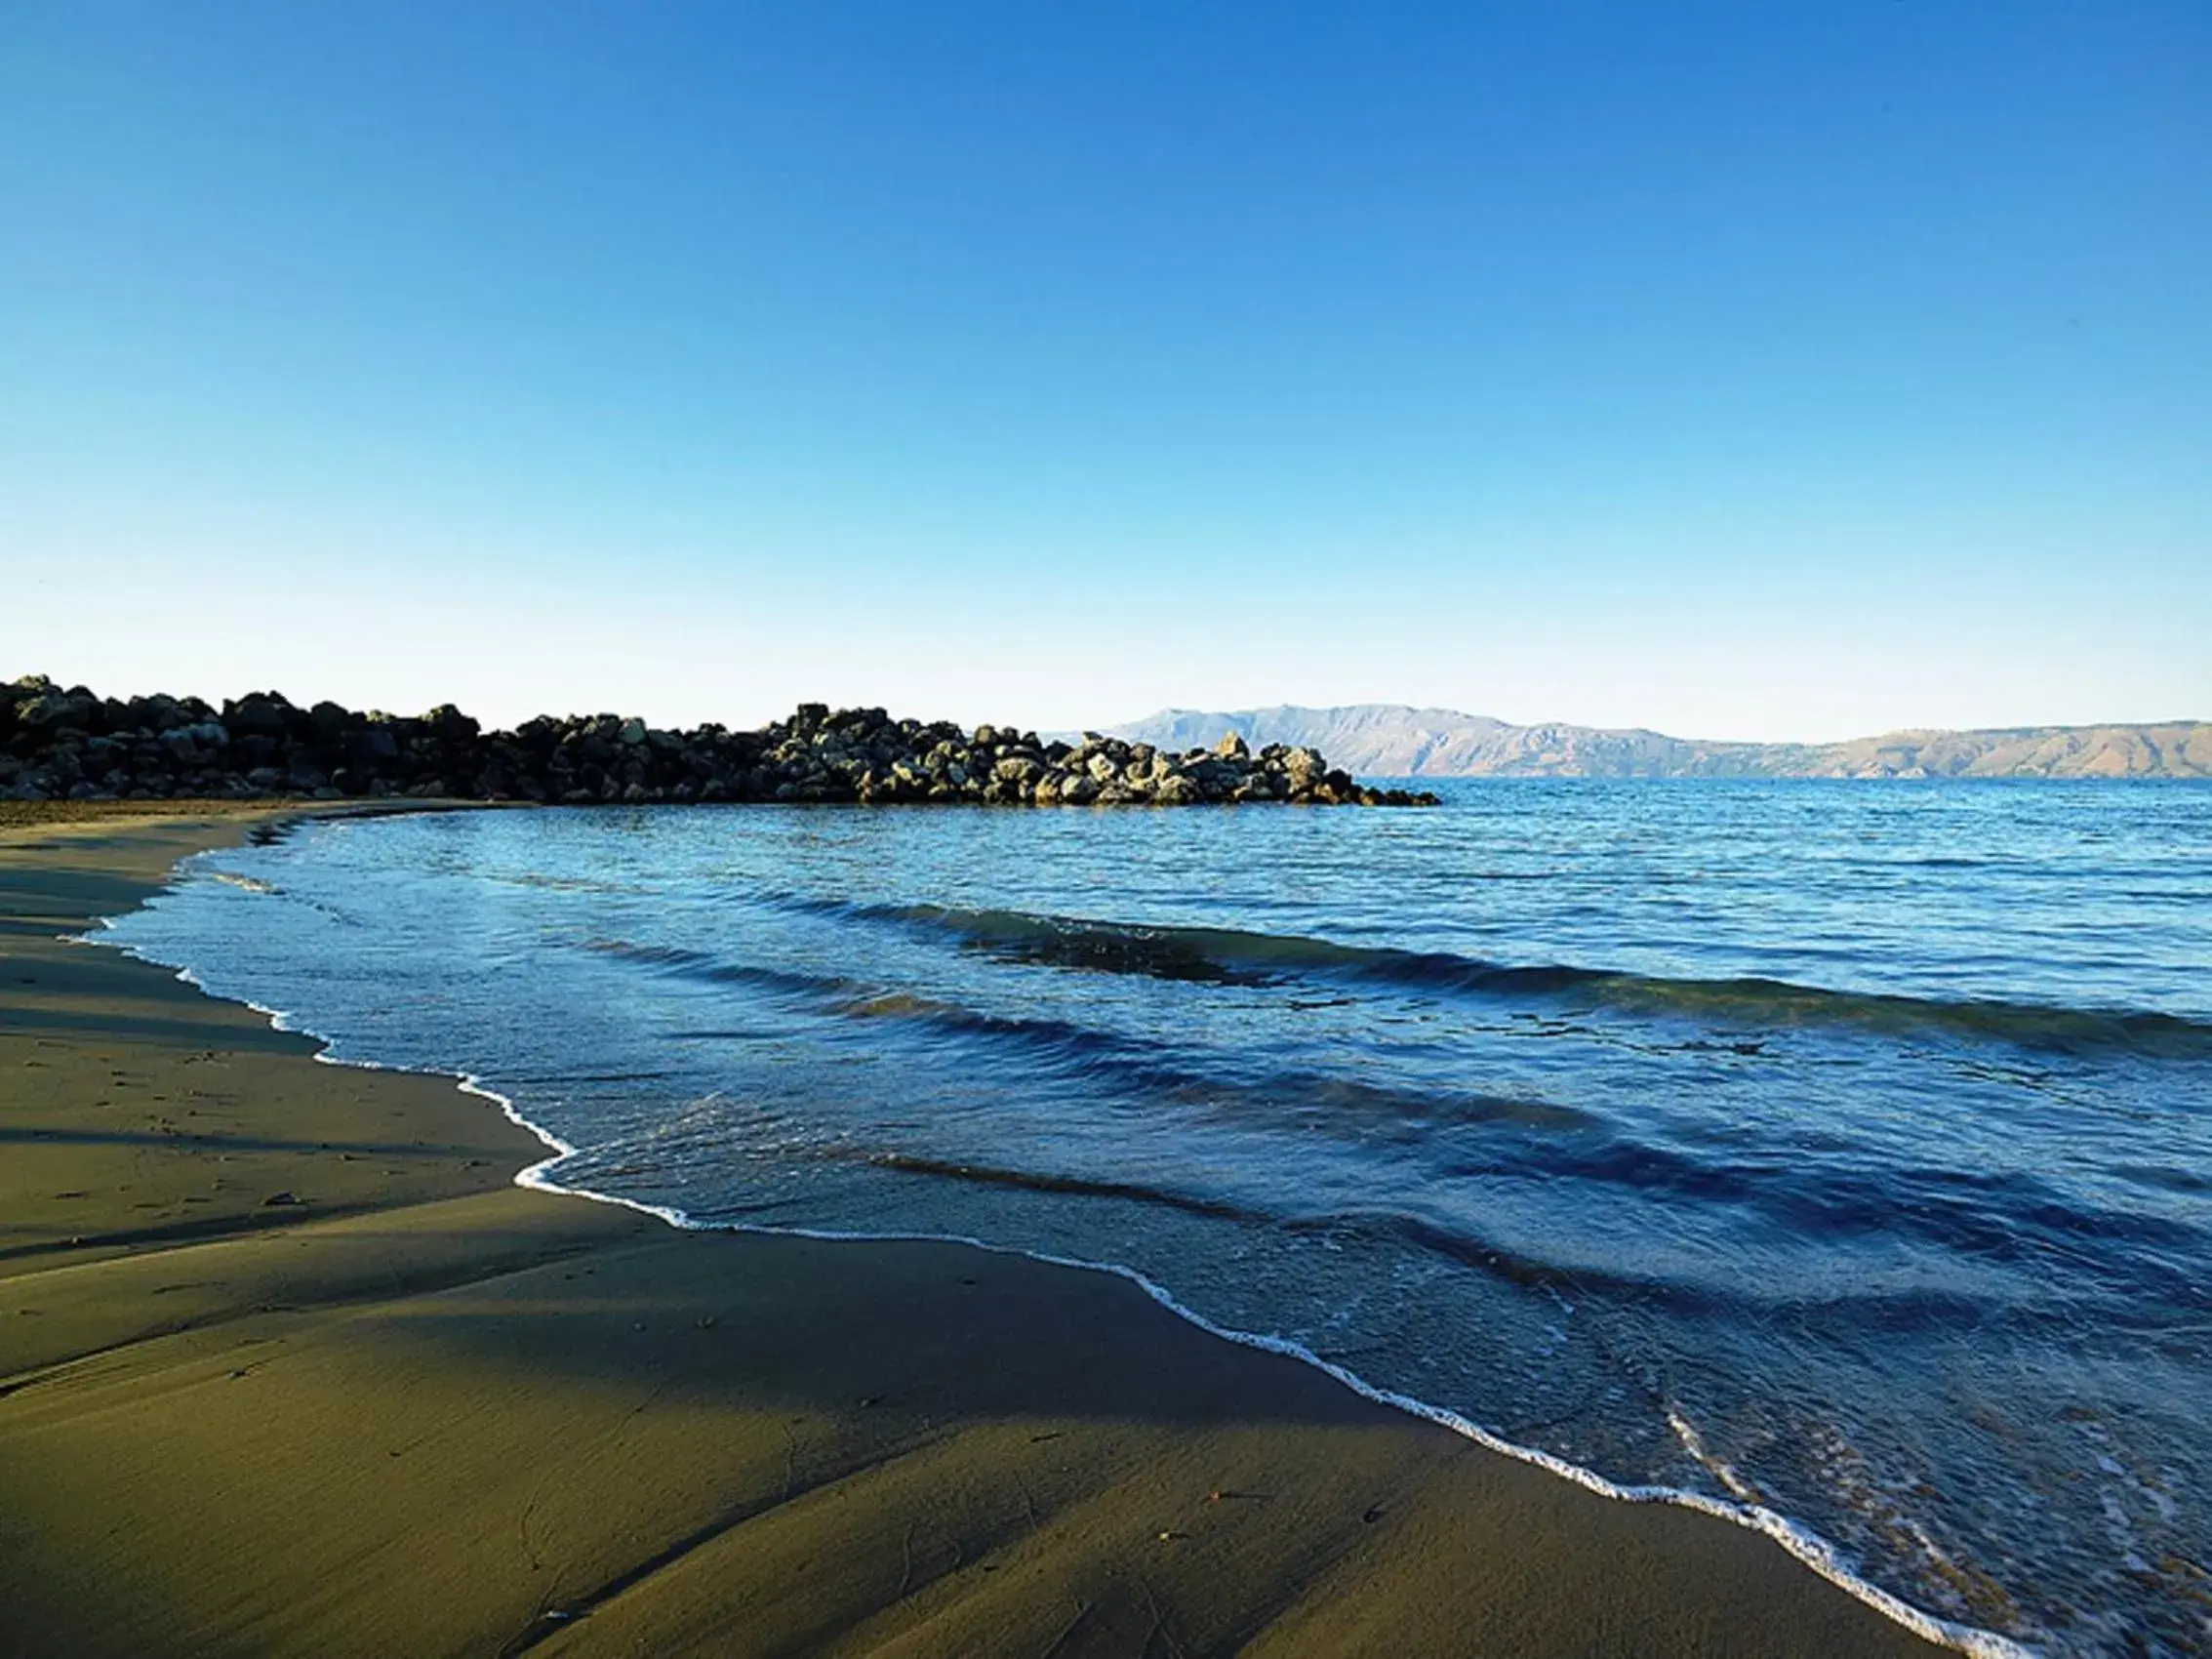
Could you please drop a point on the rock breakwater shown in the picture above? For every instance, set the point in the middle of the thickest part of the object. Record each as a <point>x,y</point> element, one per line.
<point>61,744</point>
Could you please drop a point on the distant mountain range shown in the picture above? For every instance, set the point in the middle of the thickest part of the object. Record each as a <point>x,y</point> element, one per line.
<point>1387,740</point>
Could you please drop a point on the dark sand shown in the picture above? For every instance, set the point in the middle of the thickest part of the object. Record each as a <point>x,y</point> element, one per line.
<point>421,1410</point>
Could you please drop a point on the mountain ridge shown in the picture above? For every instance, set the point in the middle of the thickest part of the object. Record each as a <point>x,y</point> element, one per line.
<point>1400,741</point>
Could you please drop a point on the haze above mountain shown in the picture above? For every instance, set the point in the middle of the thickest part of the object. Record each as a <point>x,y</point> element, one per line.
<point>1392,740</point>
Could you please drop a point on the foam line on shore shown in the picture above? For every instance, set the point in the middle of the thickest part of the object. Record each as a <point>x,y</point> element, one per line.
<point>1803,1544</point>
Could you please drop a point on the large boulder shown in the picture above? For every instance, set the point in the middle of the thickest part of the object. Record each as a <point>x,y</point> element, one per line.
<point>260,714</point>
<point>371,745</point>
<point>197,745</point>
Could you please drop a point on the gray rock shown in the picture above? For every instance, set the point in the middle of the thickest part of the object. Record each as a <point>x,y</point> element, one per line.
<point>55,741</point>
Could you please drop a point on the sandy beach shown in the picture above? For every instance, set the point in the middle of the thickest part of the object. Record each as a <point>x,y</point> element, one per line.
<point>289,1364</point>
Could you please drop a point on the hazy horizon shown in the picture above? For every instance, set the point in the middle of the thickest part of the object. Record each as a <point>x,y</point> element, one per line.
<point>1640,726</point>
<point>1740,374</point>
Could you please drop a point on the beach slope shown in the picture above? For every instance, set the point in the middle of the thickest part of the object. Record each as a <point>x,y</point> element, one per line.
<point>287,1364</point>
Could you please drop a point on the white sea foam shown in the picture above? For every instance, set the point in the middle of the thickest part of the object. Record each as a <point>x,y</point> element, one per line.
<point>245,883</point>
<point>1800,1541</point>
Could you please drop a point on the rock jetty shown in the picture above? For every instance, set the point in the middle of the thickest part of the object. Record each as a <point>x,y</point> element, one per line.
<point>70,745</point>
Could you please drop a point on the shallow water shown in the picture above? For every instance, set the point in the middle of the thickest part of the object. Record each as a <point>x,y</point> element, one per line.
<point>1842,1149</point>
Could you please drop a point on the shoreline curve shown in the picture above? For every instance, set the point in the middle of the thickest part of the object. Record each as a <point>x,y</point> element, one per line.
<point>1803,1545</point>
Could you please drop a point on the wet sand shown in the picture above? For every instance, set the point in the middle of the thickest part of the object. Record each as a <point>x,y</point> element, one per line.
<point>287,1364</point>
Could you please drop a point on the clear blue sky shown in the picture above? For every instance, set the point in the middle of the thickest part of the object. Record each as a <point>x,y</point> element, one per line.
<point>1753,370</point>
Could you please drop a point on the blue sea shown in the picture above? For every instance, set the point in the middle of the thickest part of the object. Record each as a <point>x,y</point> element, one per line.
<point>1836,1152</point>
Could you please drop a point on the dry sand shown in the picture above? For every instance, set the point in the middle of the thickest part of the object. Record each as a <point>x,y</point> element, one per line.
<point>419,1411</point>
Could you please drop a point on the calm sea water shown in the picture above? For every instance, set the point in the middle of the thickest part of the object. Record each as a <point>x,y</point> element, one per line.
<point>1845,1149</point>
